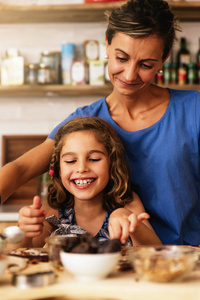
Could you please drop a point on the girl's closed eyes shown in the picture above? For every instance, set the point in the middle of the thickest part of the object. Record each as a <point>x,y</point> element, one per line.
<point>75,160</point>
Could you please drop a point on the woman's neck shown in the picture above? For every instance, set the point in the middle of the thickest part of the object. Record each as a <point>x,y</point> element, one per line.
<point>140,110</point>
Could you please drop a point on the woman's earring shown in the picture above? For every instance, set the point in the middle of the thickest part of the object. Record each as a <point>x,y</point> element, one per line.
<point>106,56</point>
<point>160,71</point>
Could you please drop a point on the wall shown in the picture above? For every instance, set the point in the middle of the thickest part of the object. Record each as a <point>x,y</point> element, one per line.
<point>40,115</point>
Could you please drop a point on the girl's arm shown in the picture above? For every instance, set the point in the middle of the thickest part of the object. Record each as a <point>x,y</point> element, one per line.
<point>132,220</point>
<point>29,165</point>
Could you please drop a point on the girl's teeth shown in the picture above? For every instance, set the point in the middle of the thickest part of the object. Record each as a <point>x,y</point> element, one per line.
<point>83,182</point>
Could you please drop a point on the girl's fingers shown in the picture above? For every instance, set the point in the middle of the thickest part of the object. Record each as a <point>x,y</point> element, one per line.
<point>143,216</point>
<point>125,232</point>
<point>32,228</point>
<point>115,230</point>
<point>36,202</point>
<point>132,222</point>
<point>111,233</point>
<point>28,211</point>
<point>32,234</point>
<point>30,221</point>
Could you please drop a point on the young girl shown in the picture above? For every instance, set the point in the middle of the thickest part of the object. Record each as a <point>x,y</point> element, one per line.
<point>90,180</point>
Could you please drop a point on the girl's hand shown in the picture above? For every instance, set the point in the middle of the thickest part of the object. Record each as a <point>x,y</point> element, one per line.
<point>122,222</point>
<point>31,218</point>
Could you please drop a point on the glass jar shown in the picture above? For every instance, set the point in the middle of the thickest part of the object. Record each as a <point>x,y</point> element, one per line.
<point>53,60</point>
<point>44,74</point>
<point>31,74</point>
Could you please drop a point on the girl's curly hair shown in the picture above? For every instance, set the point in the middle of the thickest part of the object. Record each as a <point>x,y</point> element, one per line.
<point>118,190</point>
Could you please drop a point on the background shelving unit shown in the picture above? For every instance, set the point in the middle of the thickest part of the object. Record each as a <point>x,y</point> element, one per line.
<point>185,11</point>
<point>9,14</point>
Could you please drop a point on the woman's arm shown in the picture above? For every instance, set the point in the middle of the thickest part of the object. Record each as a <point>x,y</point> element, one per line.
<point>31,164</point>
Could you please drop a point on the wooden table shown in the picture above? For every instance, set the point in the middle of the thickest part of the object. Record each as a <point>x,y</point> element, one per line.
<point>118,286</point>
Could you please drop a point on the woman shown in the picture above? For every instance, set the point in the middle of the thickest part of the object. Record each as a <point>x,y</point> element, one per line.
<point>159,127</point>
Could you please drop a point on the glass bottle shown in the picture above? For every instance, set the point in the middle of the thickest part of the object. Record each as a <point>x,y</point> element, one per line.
<point>198,73</point>
<point>182,74</point>
<point>198,54</point>
<point>192,73</point>
<point>167,73</point>
<point>174,77</point>
<point>183,55</point>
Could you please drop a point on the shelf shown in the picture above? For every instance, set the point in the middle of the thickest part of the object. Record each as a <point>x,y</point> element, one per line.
<point>186,10</point>
<point>54,13</point>
<point>68,91</point>
<point>54,91</point>
<point>94,12</point>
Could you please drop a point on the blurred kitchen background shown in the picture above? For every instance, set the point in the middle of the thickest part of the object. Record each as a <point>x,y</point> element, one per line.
<point>28,114</point>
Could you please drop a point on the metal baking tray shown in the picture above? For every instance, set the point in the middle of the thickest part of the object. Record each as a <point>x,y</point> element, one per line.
<point>25,281</point>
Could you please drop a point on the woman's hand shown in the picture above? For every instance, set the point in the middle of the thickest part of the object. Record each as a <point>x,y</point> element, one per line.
<point>122,222</point>
<point>31,219</point>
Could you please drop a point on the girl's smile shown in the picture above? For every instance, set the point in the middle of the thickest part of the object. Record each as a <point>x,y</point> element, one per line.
<point>83,182</point>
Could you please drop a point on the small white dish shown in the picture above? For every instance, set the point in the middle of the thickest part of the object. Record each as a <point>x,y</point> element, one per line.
<point>89,267</point>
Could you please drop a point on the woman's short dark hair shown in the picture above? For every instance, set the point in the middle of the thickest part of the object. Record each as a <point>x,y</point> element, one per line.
<point>142,18</point>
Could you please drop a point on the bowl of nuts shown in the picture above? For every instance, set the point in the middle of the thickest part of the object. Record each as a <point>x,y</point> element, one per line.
<point>163,263</point>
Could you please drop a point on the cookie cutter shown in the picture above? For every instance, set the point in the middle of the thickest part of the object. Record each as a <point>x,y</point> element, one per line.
<point>25,281</point>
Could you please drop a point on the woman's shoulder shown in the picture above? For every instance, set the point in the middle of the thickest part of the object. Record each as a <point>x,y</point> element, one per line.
<point>91,110</point>
<point>184,94</point>
<point>185,99</point>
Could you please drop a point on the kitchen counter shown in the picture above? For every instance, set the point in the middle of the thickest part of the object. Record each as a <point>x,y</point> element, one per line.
<point>118,286</point>
<point>9,213</point>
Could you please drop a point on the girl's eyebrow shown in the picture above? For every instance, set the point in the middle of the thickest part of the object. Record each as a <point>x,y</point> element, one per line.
<point>90,152</point>
<point>146,59</point>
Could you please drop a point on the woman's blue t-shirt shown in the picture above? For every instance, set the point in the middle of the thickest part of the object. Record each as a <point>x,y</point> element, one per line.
<point>164,160</point>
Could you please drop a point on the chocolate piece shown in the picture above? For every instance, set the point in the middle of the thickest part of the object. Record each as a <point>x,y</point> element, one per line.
<point>70,242</point>
<point>110,246</point>
<point>83,247</point>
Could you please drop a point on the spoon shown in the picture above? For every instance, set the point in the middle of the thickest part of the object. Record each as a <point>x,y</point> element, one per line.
<point>12,234</point>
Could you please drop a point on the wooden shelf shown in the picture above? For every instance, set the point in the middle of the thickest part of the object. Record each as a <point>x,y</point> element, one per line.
<point>186,10</point>
<point>94,12</point>
<point>54,13</point>
<point>68,91</point>
<point>54,90</point>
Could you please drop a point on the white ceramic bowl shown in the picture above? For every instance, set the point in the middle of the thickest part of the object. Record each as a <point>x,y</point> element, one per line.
<point>89,267</point>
